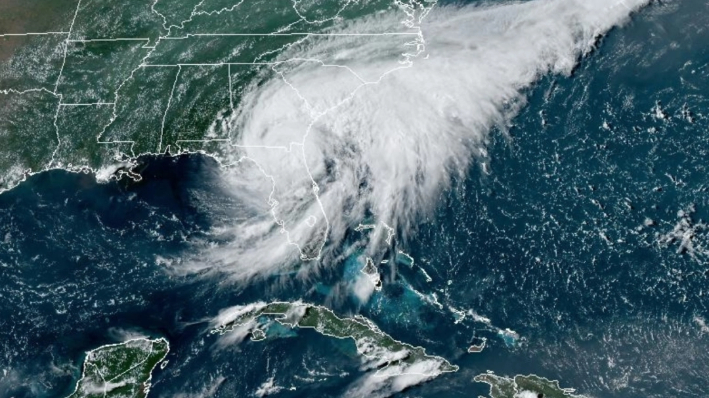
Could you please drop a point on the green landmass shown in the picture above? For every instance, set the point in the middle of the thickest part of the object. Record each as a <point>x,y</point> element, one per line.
<point>120,370</point>
<point>86,84</point>
<point>506,387</point>
<point>371,342</point>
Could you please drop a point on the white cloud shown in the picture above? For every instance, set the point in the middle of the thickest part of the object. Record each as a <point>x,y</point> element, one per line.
<point>268,387</point>
<point>526,394</point>
<point>230,314</point>
<point>388,147</point>
<point>393,378</point>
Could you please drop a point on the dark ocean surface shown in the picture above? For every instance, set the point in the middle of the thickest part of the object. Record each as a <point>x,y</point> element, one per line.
<point>565,238</point>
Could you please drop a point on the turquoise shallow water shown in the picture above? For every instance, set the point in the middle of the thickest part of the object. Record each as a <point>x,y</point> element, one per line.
<point>567,242</point>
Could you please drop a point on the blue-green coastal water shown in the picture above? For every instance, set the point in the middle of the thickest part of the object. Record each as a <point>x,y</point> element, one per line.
<point>584,235</point>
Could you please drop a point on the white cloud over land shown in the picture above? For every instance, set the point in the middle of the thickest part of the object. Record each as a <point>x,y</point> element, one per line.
<point>348,126</point>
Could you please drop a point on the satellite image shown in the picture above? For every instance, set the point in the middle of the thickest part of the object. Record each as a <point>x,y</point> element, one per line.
<point>354,198</point>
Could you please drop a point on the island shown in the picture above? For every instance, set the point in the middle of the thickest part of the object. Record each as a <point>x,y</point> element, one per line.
<point>524,386</point>
<point>121,370</point>
<point>478,345</point>
<point>389,356</point>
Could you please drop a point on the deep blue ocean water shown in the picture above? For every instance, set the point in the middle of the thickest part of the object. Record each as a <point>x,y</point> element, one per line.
<point>562,242</point>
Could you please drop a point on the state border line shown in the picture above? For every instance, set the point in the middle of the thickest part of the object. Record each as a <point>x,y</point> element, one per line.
<point>32,34</point>
<point>210,34</point>
<point>288,34</point>
<point>90,104</point>
<point>207,35</point>
<point>66,48</point>
<point>202,64</point>
<point>109,40</point>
